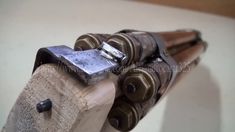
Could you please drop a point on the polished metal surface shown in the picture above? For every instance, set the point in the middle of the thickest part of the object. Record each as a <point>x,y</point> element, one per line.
<point>112,53</point>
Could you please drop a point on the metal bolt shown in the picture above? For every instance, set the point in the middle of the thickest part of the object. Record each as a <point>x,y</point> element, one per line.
<point>43,106</point>
<point>124,45</point>
<point>114,122</point>
<point>85,44</point>
<point>131,88</point>
<point>123,116</point>
<point>138,85</point>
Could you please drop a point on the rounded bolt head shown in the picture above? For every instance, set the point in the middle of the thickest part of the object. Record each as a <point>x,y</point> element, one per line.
<point>43,106</point>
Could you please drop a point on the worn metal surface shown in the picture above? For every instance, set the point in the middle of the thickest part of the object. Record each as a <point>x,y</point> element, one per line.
<point>90,41</point>
<point>90,66</point>
<point>146,84</point>
<point>150,62</point>
<point>137,45</point>
<point>110,52</point>
<point>139,85</point>
<point>124,115</point>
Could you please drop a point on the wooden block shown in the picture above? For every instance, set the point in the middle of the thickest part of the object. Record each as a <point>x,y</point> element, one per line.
<point>75,107</point>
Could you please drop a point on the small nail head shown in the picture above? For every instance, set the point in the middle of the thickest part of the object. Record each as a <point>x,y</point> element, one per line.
<point>43,106</point>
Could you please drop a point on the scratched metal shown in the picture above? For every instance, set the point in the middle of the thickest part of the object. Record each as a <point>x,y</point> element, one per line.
<point>112,53</point>
<point>91,66</point>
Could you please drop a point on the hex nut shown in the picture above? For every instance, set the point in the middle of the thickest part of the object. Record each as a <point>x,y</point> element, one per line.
<point>143,83</point>
<point>123,44</point>
<point>86,42</point>
<point>124,115</point>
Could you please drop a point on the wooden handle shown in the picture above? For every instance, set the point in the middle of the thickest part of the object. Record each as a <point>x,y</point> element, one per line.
<point>178,37</point>
<point>188,55</point>
<point>75,107</point>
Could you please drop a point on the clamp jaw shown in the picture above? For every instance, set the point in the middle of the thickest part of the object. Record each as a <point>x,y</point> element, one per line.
<point>90,66</point>
<point>147,65</point>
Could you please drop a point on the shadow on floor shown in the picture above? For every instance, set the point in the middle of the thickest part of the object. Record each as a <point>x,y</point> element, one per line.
<point>194,104</point>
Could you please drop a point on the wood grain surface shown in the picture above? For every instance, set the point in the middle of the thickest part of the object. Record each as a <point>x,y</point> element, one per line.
<point>75,107</point>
